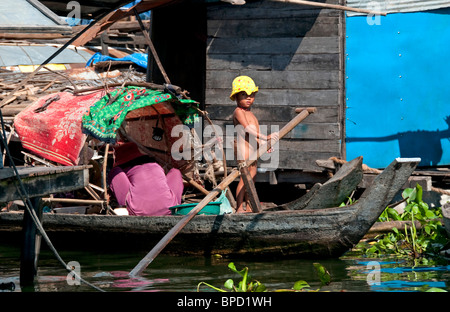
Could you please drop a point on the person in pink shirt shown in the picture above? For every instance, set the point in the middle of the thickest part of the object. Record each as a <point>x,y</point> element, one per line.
<point>141,185</point>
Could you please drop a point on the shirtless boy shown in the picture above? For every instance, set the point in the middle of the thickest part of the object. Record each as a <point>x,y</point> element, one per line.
<point>247,126</point>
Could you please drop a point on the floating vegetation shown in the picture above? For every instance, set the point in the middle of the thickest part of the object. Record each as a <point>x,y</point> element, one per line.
<point>248,284</point>
<point>415,248</point>
<point>412,241</point>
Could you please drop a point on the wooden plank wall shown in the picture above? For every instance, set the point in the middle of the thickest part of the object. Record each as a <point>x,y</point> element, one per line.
<point>294,54</point>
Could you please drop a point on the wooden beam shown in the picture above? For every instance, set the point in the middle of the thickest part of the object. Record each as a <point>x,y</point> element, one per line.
<point>335,6</point>
<point>18,36</point>
<point>40,181</point>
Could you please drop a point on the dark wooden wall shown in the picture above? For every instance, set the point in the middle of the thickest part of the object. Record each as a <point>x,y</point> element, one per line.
<point>294,54</point>
<point>179,36</point>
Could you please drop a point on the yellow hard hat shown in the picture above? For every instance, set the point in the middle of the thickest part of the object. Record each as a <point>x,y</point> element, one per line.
<point>243,83</point>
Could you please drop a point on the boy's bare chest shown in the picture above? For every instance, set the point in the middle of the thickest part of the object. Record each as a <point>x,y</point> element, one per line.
<point>251,119</point>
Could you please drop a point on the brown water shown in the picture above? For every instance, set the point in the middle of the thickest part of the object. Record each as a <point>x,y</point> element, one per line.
<point>109,271</point>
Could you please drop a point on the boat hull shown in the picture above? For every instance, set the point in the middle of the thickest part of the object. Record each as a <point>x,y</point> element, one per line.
<point>307,233</point>
<point>318,232</point>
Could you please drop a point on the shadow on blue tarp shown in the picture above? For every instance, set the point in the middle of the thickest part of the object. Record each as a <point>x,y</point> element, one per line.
<point>420,143</point>
<point>139,59</point>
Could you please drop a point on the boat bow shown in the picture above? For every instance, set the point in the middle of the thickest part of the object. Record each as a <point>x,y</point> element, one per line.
<point>378,195</point>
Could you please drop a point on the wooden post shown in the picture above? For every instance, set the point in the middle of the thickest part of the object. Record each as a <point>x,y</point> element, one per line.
<point>104,45</point>
<point>250,188</point>
<point>31,243</point>
<point>37,181</point>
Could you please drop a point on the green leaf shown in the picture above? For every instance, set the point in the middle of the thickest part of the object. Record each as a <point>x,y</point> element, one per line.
<point>211,286</point>
<point>435,289</point>
<point>242,272</point>
<point>324,275</point>
<point>419,193</point>
<point>229,284</point>
<point>232,267</point>
<point>393,214</point>
<point>299,285</point>
<point>410,194</point>
<point>261,288</point>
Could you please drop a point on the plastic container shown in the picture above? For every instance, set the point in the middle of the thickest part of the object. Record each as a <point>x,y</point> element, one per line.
<point>212,208</point>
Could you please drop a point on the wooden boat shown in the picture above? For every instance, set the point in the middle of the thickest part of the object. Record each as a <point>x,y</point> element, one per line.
<point>312,232</point>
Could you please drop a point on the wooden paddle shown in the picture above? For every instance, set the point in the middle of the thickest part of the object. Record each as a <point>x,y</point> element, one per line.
<point>208,198</point>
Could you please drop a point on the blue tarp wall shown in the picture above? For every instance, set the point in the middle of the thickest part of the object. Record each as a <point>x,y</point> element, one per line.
<point>398,87</point>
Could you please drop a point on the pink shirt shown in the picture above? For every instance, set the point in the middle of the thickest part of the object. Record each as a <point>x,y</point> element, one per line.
<point>145,190</point>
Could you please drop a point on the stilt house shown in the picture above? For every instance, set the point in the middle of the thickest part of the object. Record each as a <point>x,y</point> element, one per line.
<point>379,83</point>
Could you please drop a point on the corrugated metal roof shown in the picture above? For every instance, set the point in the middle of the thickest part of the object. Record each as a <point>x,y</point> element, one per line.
<point>36,55</point>
<point>397,6</point>
<point>88,8</point>
<point>22,12</point>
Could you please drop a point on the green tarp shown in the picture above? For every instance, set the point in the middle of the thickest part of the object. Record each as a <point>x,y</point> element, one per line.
<point>103,118</point>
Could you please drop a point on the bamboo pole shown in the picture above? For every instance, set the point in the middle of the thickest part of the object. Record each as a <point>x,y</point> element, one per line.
<point>74,201</point>
<point>105,164</point>
<point>335,6</point>
<point>137,270</point>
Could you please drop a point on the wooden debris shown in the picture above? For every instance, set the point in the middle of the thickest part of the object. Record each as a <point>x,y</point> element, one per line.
<point>47,82</point>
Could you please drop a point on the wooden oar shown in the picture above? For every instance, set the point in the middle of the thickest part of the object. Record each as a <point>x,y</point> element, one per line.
<point>225,182</point>
<point>336,7</point>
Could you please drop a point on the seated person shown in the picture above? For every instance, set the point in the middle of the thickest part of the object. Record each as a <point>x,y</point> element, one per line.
<point>140,184</point>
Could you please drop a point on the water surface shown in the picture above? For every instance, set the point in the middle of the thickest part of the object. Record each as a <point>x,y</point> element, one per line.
<point>109,271</point>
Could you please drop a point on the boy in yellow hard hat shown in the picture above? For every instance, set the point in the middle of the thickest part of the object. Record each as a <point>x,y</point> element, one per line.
<point>247,128</point>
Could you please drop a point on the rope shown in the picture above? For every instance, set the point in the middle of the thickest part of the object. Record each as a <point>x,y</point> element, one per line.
<point>217,164</point>
<point>209,174</point>
<point>440,191</point>
<point>242,164</point>
<point>219,141</point>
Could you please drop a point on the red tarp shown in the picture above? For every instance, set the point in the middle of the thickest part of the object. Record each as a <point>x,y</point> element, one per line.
<point>55,133</point>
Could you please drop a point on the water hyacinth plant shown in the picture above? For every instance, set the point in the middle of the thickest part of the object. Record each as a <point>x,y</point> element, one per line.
<point>416,242</point>
<point>248,284</point>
